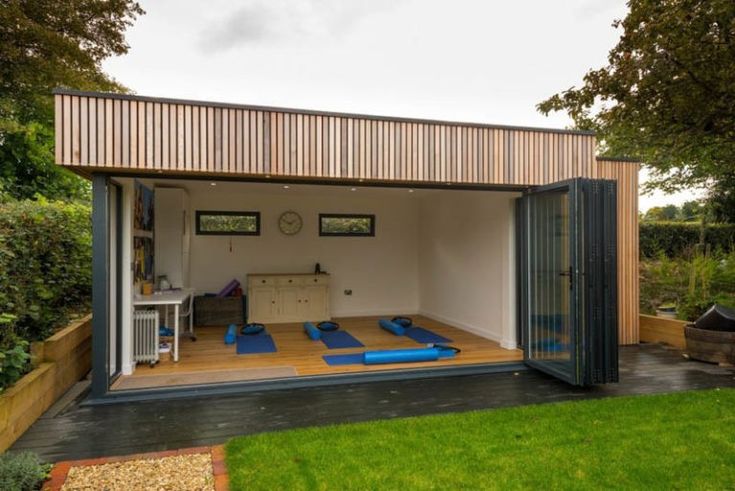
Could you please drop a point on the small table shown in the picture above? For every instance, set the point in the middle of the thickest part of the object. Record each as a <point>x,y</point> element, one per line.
<point>172,297</point>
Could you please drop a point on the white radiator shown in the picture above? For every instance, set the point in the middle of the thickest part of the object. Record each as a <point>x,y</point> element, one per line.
<point>145,336</point>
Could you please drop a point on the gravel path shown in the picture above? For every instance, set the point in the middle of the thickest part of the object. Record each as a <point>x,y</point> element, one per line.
<point>179,472</point>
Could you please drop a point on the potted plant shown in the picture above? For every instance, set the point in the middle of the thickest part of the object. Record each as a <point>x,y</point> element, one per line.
<point>666,310</point>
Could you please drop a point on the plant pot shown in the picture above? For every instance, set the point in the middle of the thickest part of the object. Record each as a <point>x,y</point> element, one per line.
<point>711,346</point>
<point>666,313</point>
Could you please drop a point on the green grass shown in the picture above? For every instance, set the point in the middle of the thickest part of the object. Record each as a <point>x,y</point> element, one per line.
<point>683,440</point>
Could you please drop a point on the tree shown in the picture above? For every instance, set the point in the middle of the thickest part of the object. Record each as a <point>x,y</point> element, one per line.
<point>667,95</point>
<point>666,213</point>
<point>46,44</point>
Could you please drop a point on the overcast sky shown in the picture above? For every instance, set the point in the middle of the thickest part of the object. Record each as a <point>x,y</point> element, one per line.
<point>475,61</point>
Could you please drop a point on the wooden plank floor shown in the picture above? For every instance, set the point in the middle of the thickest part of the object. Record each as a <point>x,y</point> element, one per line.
<point>209,360</point>
<point>79,432</point>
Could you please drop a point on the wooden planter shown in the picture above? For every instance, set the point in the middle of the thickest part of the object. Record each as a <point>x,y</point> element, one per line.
<point>711,346</point>
<point>62,360</point>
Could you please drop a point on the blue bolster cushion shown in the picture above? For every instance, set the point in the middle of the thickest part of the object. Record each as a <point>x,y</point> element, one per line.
<point>400,356</point>
<point>312,331</point>
<point>230,334</point>
<point>252,329</point>
<point>327,326</point>
<point>396,329</point>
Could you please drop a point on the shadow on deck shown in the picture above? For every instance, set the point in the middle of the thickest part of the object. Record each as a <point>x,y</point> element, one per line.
<point>94,431</point>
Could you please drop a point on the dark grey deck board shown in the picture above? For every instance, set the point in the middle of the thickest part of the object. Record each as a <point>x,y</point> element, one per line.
<point>94,431</point>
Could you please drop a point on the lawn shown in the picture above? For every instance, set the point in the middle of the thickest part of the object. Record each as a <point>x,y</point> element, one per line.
<point>682,440</point>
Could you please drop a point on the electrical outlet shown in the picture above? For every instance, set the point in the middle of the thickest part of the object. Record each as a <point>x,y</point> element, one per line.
<point>348,292</point>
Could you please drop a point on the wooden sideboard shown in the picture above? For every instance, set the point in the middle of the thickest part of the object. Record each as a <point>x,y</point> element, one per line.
<point>288,297</point>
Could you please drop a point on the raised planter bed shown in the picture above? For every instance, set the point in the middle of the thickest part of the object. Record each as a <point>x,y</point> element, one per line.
<point>62,360</point>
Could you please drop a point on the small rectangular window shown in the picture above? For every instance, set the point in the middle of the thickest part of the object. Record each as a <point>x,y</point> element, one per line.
<point>341,225</point>
<point>228,222</point>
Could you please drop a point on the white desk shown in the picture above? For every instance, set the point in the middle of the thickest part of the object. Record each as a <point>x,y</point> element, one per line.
<point>175,298</point>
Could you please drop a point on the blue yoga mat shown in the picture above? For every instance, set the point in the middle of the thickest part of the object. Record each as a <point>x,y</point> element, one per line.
<point>424,336</point>
<point>340,339</point>
<point>350,359</point>
<point>258,343</point>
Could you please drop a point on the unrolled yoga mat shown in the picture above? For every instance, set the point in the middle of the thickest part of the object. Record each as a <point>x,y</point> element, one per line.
<point>424,336</point>
<point>349,359</point>
<point>259,343</point>
<point>340,339</point>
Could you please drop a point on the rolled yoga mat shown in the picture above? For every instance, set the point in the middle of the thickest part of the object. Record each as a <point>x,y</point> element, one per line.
<point>230,334</point>
<point>312,331</point>
<point>391,326</point>
<point>407,355</point>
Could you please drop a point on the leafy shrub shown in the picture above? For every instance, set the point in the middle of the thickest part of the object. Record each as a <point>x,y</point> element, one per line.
<point>45,267</point>
<point>691,283</point>
<point>22,471</point>
<point>676,239</point>
<point>14,363</point>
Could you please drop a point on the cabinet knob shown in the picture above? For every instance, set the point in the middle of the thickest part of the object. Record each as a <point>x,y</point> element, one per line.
<point>299,301</point>
<point>262,281</point>
<point>273,301</point>
<point>290,281</point>
<point>306,301</point>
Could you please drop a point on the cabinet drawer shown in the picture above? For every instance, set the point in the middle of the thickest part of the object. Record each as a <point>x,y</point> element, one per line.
<point>261,281</point>
<point>289,281</point>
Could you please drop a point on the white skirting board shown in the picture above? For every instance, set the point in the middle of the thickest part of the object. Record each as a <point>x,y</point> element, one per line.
<point>504,343</point>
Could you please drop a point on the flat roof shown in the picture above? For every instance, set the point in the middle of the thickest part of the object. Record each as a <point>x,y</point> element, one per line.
<point>251,107</point>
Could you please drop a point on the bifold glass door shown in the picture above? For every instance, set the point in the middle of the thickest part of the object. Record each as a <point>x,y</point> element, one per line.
<point>567,267</point>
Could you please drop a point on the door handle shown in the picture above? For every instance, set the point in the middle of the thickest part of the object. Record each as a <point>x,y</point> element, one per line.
<point>569,274</point>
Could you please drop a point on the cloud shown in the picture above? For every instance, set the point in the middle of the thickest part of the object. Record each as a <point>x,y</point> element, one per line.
<point>250,23</point>
<point>287,21</point>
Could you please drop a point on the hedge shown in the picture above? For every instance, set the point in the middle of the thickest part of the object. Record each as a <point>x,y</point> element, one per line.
<point>676,239</point>
<point>45,267</point>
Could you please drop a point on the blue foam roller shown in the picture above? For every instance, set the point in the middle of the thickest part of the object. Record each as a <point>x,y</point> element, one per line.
<point>312,331</point>
<point>400,356</point>
<point>230,335</point>
<point>396,329</point>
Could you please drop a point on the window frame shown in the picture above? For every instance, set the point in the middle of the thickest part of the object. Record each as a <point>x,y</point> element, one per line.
<point>199,213</point>
<point>371,217</point>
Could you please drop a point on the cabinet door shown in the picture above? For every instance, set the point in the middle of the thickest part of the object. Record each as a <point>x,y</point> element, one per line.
<point>288,302</point>
<point>315,300</point>
<point>262,304</point>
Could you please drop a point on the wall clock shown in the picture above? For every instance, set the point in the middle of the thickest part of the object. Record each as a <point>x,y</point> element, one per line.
<point>290,222</point>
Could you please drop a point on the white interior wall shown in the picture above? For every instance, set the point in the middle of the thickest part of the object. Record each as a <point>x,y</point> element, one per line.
<point>381,271</point>
<point>466,262</point>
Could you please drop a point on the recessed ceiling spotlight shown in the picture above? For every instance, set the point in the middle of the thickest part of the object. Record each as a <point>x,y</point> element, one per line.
<point>360,180</point>
<point>353,189</point>
<point>410,190</point>
<point>268,176</point>
<point>286,186</point>
<point>212,183</point>
<point>448,183</point>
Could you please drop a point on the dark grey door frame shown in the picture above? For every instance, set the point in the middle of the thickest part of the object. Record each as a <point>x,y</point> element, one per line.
<point>101,242</point>
<point>593,241</point>
<point>100,285</point>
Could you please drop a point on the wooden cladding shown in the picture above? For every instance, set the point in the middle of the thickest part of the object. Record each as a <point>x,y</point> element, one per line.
<point>626,173</point>
<point>105,132</point>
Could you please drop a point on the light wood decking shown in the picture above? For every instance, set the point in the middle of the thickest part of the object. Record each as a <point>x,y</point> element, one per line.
<point>209,360</point>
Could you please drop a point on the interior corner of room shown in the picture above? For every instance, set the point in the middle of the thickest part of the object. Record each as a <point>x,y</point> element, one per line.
<point>442,257</point>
